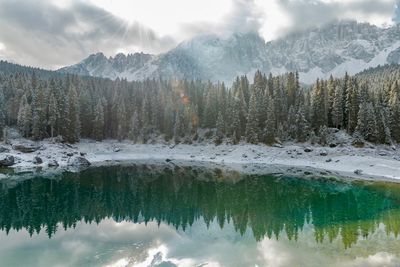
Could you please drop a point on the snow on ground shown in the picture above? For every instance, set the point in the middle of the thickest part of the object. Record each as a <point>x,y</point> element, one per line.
<point>380,162</point>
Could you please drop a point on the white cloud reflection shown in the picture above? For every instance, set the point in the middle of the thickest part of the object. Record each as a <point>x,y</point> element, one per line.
<point>123,244</point>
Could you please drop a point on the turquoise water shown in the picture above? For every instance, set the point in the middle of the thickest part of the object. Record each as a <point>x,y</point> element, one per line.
<point>162,216</point>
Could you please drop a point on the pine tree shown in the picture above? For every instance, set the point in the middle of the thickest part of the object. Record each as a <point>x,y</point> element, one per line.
<point>25,117</point>
<point>269,130</point>
<point>331,87</point>
<point>39,114</point>
<point>395,116</point>
<point>74,126</point>
<point>122,121</point>
<point>134,131</point>
<point>220,129</point>
<point>337,108</point>
<point>178,126</point>
<point>252,131</point>
<point>383,119</point>
<point>292,128</point>
<point>98,123</point>
<point>53,114</point>
<point>292,87</point>
<point>319,117</point>
<point>372,130</point>
<point>352,106</point>
<point>146,126</point>
<point>169,120</point>
<point>344,104</point>
<point>366,123</point>
<point>210,109</point>
<point>2,113</point>
<point>86,107</point>
<point>323,135</point>
<point>236,124</point>
<point>242,109</point>
<point>302,125</point>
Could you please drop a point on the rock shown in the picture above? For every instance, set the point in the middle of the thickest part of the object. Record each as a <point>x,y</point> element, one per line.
<point>168,160</point>
<point>4,149</point>
<point>117,149</point>
<point>308,150</point>
<point>333,145</point>
<point>58,139</point>
<point>323,153</point>
<point>83,154</point>
<point>6,161</point>
<point>277,145</point>
<point>358,143</point>
<point>80,162</point>
<point>382,153</point>
<point>70,154</point>
<point>244,155</point>
<point>328,160</point>
<point>26,147</point>
<point>53,163</point>
<point>37,160</point>
<point>358,172</point>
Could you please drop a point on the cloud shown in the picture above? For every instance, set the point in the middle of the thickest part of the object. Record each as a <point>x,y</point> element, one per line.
<point>396,17</point>
<point>55,33</point>
<point>244,16</point>
<point>41,33</point>
<point>310,13</point>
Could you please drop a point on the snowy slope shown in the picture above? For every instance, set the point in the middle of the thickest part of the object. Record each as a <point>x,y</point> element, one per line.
<point>339,47</point>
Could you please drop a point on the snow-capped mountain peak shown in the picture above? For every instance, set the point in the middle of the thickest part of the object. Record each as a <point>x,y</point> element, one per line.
<point>339,47</point>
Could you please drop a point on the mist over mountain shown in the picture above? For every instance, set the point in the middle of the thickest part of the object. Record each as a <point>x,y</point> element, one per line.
<point>337,48</point>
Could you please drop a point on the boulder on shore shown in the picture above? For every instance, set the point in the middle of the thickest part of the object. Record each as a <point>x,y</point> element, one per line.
<point>53,163</point>
<point>26,147</point>
<point>79,162</point>
<point>37,160</point>
<point>4,149</point>
<point>6,161</point>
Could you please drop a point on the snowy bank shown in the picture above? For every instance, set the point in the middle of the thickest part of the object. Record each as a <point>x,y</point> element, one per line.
<point>381,162</point>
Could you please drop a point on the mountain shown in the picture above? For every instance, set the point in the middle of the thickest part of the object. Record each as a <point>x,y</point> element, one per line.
<point>123,66</point>
<point>339,47</point>
<point>336,48</point>
<point>12,69</point>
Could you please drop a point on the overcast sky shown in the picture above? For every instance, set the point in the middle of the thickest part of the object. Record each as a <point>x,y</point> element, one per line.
<point>55,33</point>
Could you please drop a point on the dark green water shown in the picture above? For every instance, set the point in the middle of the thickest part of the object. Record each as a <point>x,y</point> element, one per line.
<point>154,216</point>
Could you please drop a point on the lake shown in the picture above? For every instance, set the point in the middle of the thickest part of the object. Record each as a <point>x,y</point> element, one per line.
<point>142,215</point>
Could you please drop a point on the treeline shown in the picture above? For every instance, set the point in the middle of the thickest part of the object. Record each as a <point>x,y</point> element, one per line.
<point>177,197</point>
<point>266,110</point>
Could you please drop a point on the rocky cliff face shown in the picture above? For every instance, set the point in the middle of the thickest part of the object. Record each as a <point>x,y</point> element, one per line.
<point>336,48</point>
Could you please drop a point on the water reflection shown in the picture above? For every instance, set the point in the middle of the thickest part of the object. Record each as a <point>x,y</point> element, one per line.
<point>268,205</point>
<point>206,208</point>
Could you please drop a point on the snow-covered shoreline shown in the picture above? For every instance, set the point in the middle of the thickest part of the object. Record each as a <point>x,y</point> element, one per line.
<point>376,163</point>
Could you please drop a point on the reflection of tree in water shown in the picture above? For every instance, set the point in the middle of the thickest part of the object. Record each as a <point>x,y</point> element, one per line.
<point>266,205</point>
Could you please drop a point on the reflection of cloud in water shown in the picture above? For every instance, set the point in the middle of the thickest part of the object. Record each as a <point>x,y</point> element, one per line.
<point>126,244</point>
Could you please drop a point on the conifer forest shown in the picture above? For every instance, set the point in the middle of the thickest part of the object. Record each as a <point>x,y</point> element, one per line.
<point>260,109</point>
